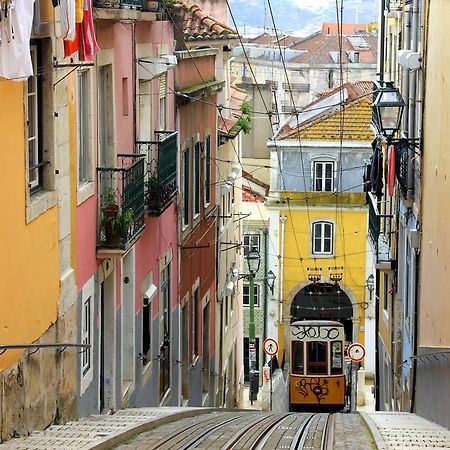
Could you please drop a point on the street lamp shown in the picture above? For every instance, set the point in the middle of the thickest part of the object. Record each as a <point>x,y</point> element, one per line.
<point>370,283</point>
<point>389,106</point>
<point>271,280</point>
<point>253,261</point>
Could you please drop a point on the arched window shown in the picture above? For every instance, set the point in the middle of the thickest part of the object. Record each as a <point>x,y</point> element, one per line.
<point>322,238</point>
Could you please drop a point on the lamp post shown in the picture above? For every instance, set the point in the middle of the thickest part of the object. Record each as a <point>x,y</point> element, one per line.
<point>388,106</point>
<point>271,280</point>
<point>370,283</point>
<point>253,261</point>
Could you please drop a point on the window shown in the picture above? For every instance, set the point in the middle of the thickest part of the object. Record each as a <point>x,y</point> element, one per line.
<point>336,358</point>
<point>145,110</point>
<point>86,336</point>
<point>386,293</point>
<point>84,132</point>
<point>146,331</point>
<point>322,238</point>
<point>162,101</point>
<point>297,357</point>
<point>250,241</point>
<point>186,188</point>
<point>317,358</point>
<point>323,175</point>
<point>246,295</point>
<point>194,323</point>
<point>196,179</point>
<point>164,377</point>
<point>33,109</point>
<point>208,170</point>
<point>205,353</point>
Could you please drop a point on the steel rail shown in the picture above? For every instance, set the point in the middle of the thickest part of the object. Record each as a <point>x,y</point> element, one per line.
<point>191,429</point>
<point>327,442</point>
<point>234,441</point>
<point>265,435</point>
<point>298,442</point>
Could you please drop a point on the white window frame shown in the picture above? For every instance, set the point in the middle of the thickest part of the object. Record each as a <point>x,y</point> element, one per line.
<point>250,244</point>
<point>323,224</point>
<point>196,178</point>
<point>323,162</point>
<point>246,287</point>
<point>32,121</point>
<point>87,335</point>
<point>207,168</point>
<point>84,135</point>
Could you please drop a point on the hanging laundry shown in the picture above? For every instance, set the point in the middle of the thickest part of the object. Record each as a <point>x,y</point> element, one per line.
<point>15,31</point>
<point>68,19</point>
<point>79,11</point>
<point>88,43</point>
<point>391,170</point>
<point>70,47</point>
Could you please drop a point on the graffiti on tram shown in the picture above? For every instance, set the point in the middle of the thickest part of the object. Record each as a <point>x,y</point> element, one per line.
<point>317,332</point>
<point>317,386</point>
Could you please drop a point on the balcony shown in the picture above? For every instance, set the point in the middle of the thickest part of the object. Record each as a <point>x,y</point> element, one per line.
<point>121,204</point>
<point>401,168</point>
<point>380,229</point>
<point>119,4</point>
<point>161,171</point>
<point>126,9</point>
<point>296,87</point>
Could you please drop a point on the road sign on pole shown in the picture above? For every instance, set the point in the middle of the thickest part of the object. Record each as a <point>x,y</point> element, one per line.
<point>356,352</point>
<point>270,346</point>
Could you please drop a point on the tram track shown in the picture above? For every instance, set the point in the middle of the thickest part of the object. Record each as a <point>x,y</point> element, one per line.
<point>251,431</point>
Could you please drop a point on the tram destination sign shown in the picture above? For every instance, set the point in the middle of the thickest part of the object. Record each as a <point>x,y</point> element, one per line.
<point>317,332</point>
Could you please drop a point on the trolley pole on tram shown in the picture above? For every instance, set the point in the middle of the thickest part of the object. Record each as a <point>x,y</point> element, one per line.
<point>253,261</point>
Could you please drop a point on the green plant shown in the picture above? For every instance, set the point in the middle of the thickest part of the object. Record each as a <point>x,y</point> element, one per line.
<point>244,120</point>
<point>116,226</point>
<point>109,196</point>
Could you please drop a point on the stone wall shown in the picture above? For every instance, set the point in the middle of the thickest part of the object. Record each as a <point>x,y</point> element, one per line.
<point>41,388</point>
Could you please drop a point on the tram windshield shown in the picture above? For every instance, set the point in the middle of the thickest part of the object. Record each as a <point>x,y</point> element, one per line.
<point>297,357</point>
<point>317,363</point>
<point>336,357</point>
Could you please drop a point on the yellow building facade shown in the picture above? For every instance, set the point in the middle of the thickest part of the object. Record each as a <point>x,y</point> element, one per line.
<point>37,286</point>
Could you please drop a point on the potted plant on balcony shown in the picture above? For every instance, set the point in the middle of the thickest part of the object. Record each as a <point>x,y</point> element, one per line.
<point>116,227</point>
<point>110,211</point>
<point>153,194</point>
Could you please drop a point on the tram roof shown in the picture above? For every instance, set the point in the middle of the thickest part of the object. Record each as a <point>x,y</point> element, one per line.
<point>315,323</point>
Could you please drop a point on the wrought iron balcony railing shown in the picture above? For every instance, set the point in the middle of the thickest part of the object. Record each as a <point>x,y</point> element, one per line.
<point>161,171</point>
<point>124,4</point>
<point>380,229</point>
<point>401,168</point>
<point>121,202</point>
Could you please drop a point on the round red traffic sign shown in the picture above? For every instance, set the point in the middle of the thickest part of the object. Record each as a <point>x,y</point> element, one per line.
<point>356,352</point>
<point>270,346</point>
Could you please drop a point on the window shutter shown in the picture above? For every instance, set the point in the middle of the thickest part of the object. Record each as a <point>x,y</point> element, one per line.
<point>162,85</point>
<point>145,131</point>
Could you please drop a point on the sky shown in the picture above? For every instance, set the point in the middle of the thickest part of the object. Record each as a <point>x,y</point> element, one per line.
<point>299,17</point>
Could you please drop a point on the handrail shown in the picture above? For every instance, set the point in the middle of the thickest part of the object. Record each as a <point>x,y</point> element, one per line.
<point>426,356</point>
<point>5,347</point>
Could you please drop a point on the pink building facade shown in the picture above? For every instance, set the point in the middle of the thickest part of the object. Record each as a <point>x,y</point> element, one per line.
<point>126,227</point>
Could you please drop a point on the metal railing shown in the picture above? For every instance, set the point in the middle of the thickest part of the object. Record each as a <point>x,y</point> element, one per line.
<point>161,170</point>
<point>33,348</point>
<point>379,232</point>
<point>121,202</point>
<point>124,4</point>
<point>401,167</point>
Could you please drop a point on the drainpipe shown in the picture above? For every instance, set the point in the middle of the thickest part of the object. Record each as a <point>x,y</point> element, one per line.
<point>412,128</point>
<point>281,278</point>
<point>412,405</point>
<point>406,46</point>
<point>377,346</point>
<point>266,288</point>
<point>381,40</point>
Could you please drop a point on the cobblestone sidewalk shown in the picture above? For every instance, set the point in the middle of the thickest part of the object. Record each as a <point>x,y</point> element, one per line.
<point>100,432</point>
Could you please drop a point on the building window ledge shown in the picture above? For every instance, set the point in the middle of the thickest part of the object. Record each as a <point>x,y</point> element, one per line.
<point>39,203</point>
<point>84,192</point>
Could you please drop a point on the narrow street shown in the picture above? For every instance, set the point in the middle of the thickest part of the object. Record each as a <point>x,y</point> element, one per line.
<point>188,428</point>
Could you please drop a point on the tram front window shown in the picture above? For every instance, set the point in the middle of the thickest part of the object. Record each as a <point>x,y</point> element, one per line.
<point>297,357</point>
<point>336,358</point>
<point>317,358</point>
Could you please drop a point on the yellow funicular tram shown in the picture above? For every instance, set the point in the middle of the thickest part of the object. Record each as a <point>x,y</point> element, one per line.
<point>317,379</point>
